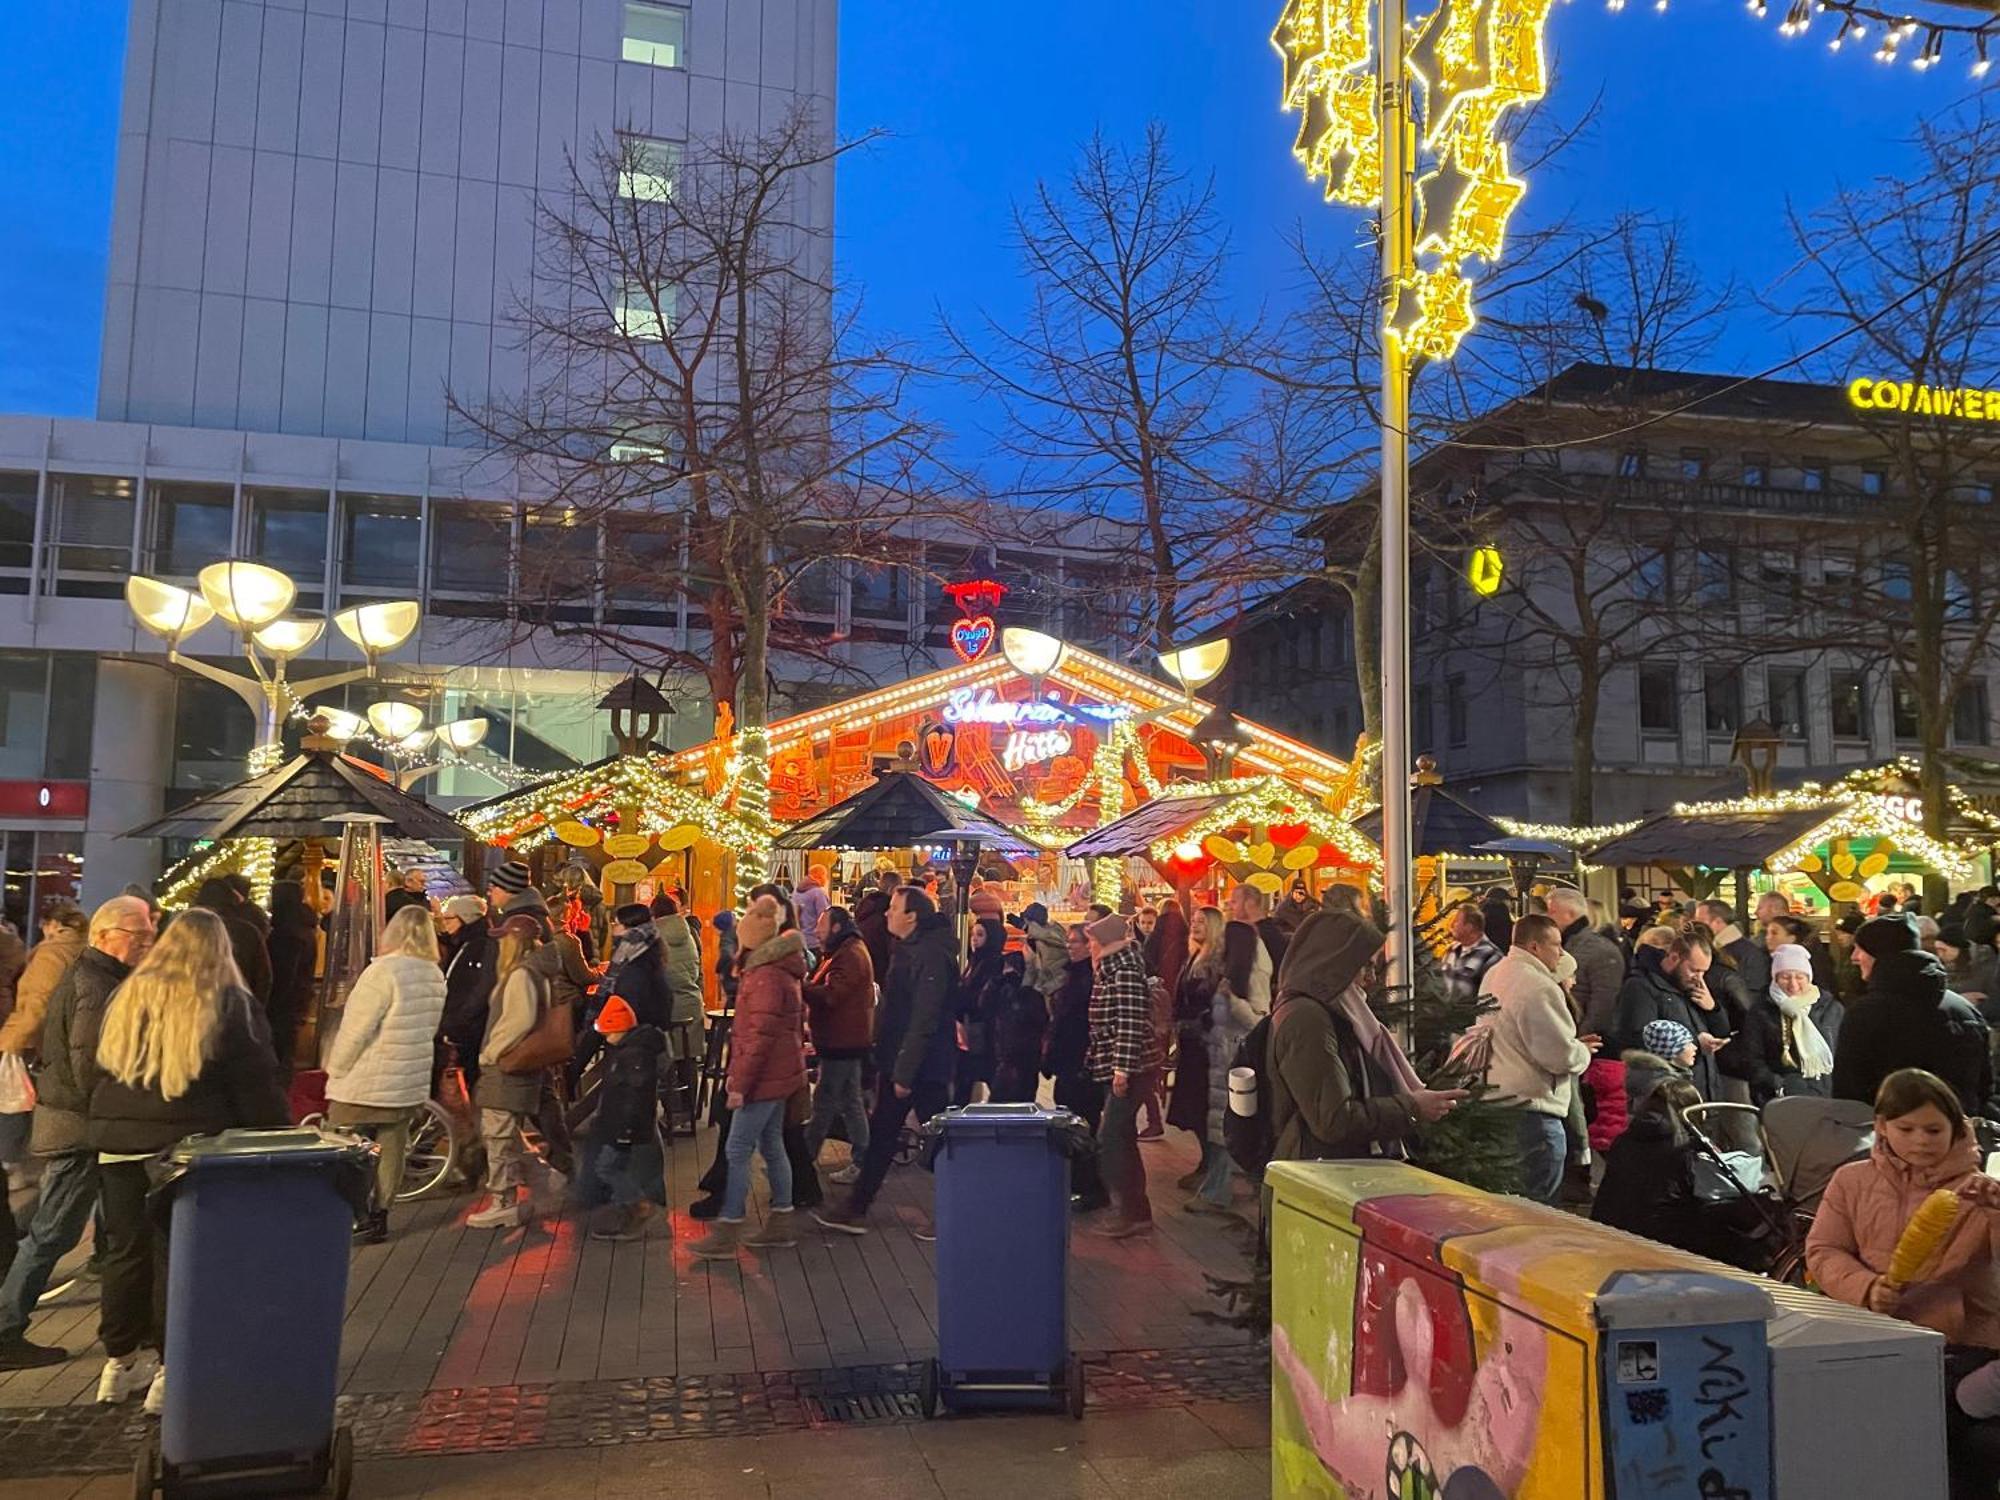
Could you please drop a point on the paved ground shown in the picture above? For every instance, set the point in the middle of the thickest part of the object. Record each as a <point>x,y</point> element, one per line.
<point>1198,1451</point>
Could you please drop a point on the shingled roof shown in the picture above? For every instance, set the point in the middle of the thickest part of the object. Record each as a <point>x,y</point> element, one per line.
<point>300,799</point>
<point>1715,841</point>
<point>1439,824</point>
<point>899,810</point>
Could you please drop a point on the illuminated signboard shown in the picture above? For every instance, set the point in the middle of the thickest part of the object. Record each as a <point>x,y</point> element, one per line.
<point>1030,747</point>
<point>1865,393</point>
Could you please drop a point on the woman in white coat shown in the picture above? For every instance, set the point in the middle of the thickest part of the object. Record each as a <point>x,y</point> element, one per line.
<point>380,1067</point>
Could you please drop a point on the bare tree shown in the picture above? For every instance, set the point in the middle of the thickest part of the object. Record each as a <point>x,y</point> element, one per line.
<point>703,412</point>
<point>1124,387</point>
<point>1901,279</point>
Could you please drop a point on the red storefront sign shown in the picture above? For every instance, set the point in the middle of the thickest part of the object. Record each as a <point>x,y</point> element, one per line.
<point>44,799</point>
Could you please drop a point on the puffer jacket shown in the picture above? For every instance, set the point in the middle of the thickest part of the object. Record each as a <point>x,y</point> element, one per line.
<point>840,999</point>
<point>382,1053</point>
<point>1230,1018</point>
<point>638,973</point>
<point>238,1086</point>
<point>1910,1018</point>
<point>1866,1207</point>
<point>767,1053</point>
<point>683,958</point>
<point>1605,1079</point>
<point>69,1052</point>
<point>48,961</point>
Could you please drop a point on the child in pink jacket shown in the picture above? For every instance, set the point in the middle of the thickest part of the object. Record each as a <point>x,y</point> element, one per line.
<point>1922,1143</point>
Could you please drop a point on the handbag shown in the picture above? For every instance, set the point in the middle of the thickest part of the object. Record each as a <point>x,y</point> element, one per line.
<point>551,1041</point>
<point>17,1089</point>
<point>1471,1055</point>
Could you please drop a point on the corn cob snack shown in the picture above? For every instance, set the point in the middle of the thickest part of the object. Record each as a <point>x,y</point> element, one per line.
<point>1923,1236</point>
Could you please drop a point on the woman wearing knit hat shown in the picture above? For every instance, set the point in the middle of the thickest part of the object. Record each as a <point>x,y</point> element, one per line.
<point>1781,1048</point>
<point>1909,1017</point>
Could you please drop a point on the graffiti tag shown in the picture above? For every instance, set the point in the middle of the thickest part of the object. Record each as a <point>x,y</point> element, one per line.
<point>1723,1389</point>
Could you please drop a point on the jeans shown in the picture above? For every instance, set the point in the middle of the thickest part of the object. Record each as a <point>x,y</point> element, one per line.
<point>1118,1159</point>
<point>69,1192</point>
<point>885,1128</point>
<point>838,1097</point>
<point>758,1127</point>
<point>1542,1141</point>
<point>1216,1170</point>
<point>621,1175</point>
<point>133,1309</point>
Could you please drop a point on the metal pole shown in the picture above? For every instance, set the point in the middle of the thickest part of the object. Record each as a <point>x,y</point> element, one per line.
<point>1396,193</point>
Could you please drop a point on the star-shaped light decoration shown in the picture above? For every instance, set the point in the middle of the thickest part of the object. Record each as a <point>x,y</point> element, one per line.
<point>1449,56</point>
<point>1325,46</point>
<point>1439,196</point>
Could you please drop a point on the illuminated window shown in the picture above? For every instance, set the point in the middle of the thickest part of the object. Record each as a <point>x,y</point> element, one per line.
<point>647,168</point>
<point>655,35</point>
<point>1871,481</point>
<point>1632,464</point>
<point>1812,475</point>
<point>1694,463</point>
<point>644,313</point>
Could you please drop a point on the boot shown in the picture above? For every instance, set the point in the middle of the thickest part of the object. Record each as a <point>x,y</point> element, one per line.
<point>707,1207</point>
<point>373,1228</point>
<point>780,1231</point>
<point>720,1242</point>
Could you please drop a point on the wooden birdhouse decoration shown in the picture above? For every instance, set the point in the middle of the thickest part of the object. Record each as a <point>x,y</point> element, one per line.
<point>639,711</point>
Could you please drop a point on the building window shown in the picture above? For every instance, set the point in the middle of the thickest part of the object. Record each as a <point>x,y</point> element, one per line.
<point>192,526</point>
<point>1756,469</point>
<point>1812,475</point>
<point>35,743</point>
<point>1837,581</point>
<point>647,168</point>
<point>469,555</point>
<point>1632,464</point>
<point>288,531</point>
<point>1961,595</point>
<point>1848,699</point>
<point>643,579</point>
<point>1896,585</point>
<point>41,869</point>
<point>880,591</point>
<point>379,548</point>
<point>1652,575</point>
<point>1777,578</point>
<point>213,733</point>
<point>1722,702</point>
<point>17,523</point>
<point>1420,719</point>
<point>92,531</point>
<point>1982,490</point>
<point>1872,481</point>
<point>1786,689</point>
<point>1659,700</point>
<point>655,35</point>
<point>1714,575</point>
<point>644,313</point>
<point>1420,597</point>
<point>1694,463</point>
<point>1903,709</point>
<point>1971,716</point>
<point>1457,724</point>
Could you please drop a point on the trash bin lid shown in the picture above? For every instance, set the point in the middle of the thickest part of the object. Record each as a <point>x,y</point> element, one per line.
<point>986,1116</point>
<point>292,1147</point>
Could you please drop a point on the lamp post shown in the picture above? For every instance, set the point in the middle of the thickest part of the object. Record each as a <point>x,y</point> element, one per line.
<point>253,599</point>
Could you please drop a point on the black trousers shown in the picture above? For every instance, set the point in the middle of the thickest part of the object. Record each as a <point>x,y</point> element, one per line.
<point>885,1128</point>
<point>133,1262</point>
<point>1084,1097</point>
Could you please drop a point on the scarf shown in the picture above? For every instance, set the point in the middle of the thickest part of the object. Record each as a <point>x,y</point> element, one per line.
<point>634,942</point>
<point>1376,1041</point>
<point>1815,1057</point>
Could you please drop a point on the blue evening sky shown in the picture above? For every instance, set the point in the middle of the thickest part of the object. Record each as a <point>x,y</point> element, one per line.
<point>1708,114</point>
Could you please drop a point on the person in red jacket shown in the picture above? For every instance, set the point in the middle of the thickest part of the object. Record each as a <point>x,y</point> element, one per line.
<point>840,1007</point>
<point>767,1065</point>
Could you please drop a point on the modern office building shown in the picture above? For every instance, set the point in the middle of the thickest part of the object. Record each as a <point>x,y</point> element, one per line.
<point>1737,542</point>
<point>325,212</point>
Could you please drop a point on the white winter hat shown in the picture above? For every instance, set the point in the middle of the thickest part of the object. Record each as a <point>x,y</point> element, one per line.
<point>1790,958</point>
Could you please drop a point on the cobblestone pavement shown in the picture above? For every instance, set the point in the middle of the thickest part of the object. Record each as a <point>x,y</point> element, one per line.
<point>67,1440</point>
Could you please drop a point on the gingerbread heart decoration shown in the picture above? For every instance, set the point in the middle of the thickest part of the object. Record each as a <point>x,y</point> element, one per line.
<point>971,638</point>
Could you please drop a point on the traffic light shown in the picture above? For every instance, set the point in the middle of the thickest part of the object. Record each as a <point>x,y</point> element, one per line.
<point>1484,569</point>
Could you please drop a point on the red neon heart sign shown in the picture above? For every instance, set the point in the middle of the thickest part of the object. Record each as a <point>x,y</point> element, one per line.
<point>972,638</point>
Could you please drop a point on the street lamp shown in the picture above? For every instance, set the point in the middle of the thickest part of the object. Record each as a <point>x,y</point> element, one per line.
<point>252,599</point>
<point>1195,667</point>
<point>1031,653</point>
<point>1220,737</point>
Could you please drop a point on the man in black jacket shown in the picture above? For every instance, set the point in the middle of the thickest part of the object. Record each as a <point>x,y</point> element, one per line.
<point>1910,1018</point>
<point>1672,985</point>
<point>916,1044</point>
<point>468,985</point>
<point>121,930</point>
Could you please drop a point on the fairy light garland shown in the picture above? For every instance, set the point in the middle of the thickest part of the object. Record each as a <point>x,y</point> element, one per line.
<point>1573,837</point>
<point>1892,30</point>
<point>526,820</point>
<point>1851,813</point>
<point>504,772</point>
<point>1263,801</point>
<point>254,858</point>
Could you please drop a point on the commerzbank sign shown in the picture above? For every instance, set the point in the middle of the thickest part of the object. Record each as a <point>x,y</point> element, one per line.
<point>1866,393</point>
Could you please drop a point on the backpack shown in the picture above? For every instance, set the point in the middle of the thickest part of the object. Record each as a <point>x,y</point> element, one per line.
<point>1250,1139</point>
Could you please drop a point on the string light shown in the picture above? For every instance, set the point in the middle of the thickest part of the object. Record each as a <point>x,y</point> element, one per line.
<point>254,858</point>
<point>1261,802</point>
<point>1898,27</point>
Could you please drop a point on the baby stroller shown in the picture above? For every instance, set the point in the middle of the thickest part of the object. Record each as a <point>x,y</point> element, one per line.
<point>1780,1160</point>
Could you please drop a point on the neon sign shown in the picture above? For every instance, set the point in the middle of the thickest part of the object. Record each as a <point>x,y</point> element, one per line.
<point>984,706</point>
<point>973,632</point>
<point>1030,747</point>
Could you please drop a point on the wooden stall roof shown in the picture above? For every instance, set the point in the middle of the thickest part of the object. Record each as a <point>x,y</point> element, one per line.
<point>300,799</point>
<point>898,811</point>
<point>1716,841</point>
<point>1145,825</point>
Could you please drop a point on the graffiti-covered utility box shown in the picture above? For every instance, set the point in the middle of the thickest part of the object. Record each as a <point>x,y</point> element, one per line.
<point>1430,1340</point>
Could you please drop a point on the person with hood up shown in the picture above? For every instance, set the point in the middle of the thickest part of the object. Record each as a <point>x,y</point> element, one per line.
<point>1125,1054</point>
<point>767,1065</point>
<point>1340,1086</point>
<point>1223,969</point>
<point>1670,983</point>
<point>1924,1143</point>
<point>622,1169</point>
<point>916,1048</point>
<point>840,1017</point>
<point>1047,950</point>
<point>1782,1048</point>
<point>1909,1017</point>
<point>1296,907</point>
<point>1020,1021</point>
<point>1537,1055</point>
<point>871,915</point>
<point>1669,1052</point>
<point>973,1011</point>
<point>379,1067</point>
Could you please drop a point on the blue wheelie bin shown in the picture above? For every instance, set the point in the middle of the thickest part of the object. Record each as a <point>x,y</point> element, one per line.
<point>261,1225</point>
<point>1003,1258</point>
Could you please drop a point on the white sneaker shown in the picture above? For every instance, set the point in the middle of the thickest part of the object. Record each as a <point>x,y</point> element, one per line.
<point>121,1377</point>
<point>156,1393</point>
<point>499,1214</point>
<point>846,1176</point>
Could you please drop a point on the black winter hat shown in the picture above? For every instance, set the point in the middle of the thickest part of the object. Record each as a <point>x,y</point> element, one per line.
<point>1895,933</point>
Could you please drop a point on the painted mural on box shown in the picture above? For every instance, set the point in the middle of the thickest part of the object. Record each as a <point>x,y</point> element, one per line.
<point>1408,1363</point>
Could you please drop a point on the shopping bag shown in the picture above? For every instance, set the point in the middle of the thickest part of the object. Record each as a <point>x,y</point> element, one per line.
<point>17,1089</point>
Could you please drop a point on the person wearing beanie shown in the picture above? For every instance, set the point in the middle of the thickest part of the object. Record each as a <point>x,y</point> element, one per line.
<point>468,943</point>
<point>1969,967</point>
<point>1653,1177</point>
<point>1667,1050</point>
<point>510,890</point>
<point>1780,1048</point>
<point>1909,1017</point>
<point>1124,1052</point>
<point>621,1170</point>
<point>638,968</point>
<point>1047,950</point>
<point>767,1065</point>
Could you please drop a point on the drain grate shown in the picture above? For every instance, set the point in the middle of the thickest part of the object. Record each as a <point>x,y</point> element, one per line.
<point>861,1409</point>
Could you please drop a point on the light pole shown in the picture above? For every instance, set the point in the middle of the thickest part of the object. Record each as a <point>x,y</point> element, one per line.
<point>253,599</point>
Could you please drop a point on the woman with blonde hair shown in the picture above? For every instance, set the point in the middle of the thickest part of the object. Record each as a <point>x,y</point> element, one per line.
<point>1194,999</point>
<point>184,1051</point>
<point>380,1066</point>
<point>509,1096</point>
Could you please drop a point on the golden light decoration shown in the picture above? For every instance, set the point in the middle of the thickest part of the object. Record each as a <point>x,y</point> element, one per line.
<point>285,638</point>
<point>1326,48</point>
<point>245,594</point>
<point>1259,803</point>
<point>169,612</point>
<point>1850,814</point>
<point>532,815</point>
